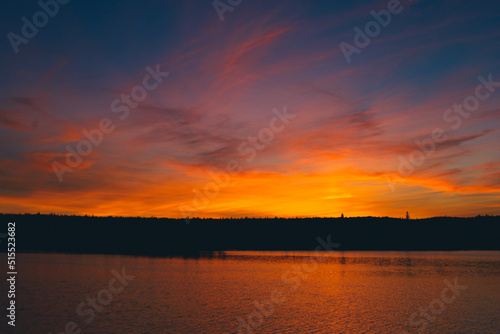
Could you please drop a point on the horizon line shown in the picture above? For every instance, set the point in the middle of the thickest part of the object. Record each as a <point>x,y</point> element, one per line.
<point>236,218</point>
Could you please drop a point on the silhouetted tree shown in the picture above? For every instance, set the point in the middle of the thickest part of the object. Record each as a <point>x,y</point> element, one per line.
<point>407,215</point>
<point>342,216</point>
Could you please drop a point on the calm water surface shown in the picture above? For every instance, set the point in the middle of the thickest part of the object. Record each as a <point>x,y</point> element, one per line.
<point>349,292</point>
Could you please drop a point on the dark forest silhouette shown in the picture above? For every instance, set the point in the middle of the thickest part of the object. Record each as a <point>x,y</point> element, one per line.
<point>166,237</point>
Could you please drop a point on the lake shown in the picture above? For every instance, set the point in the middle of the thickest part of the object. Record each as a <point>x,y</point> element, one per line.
<point>259,292</point>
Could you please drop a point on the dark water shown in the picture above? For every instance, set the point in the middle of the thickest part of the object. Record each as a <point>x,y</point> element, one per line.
<point>256,292</point>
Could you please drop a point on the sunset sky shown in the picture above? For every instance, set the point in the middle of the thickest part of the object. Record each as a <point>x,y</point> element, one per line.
<point>339,151</point>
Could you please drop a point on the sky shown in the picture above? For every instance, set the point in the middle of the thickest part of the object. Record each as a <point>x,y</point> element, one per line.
<point>250,108</point>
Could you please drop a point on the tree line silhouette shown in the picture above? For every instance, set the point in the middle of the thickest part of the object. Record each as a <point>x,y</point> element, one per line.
<point>173,237</point>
